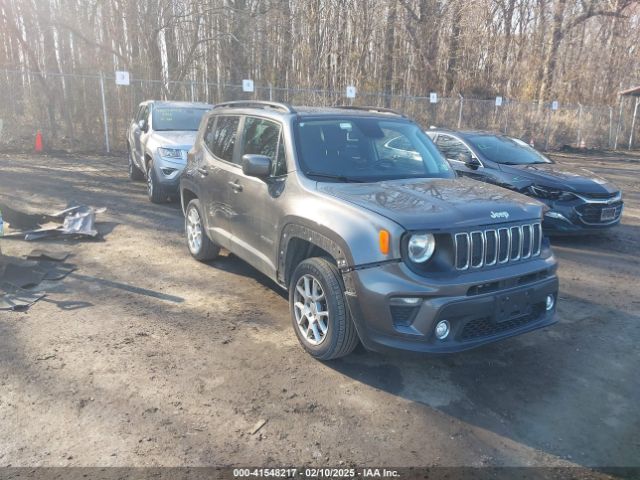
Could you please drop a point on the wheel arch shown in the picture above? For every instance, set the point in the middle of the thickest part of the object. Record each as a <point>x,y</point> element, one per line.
<point>299,242</point>
<point>186,195</point>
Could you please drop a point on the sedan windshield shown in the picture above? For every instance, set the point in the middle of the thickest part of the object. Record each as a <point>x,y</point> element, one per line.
<point>348,149</point>
<point>505,150</point>
<point>182,119</point>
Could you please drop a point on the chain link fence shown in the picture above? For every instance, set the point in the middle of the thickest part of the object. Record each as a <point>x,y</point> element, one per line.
<point>91,113</point>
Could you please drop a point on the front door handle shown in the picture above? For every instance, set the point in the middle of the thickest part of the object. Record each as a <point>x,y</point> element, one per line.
<point>203,171</point>
<point>236,187</point>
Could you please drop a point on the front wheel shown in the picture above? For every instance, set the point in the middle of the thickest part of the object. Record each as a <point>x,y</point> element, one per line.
<point>154,189</point>
<point>200,246</point>
<point>319,312</point>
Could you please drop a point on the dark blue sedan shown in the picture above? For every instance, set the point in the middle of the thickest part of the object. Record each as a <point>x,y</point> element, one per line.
<point>579,201</point>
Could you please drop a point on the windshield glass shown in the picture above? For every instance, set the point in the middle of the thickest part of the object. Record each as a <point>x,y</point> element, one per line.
<point>182,119</point>
<point>505,150</point>
<point>367,150</point>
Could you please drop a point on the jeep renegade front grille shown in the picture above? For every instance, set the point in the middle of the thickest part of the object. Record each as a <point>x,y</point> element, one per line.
<point>496,246</point>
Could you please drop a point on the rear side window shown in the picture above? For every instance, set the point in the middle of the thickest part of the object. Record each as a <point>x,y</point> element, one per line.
<point>224,136</point>
<point>263,137</point>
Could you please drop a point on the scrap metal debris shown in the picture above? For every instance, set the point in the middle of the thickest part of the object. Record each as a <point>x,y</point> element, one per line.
<point>77,221</point>
<point>14,298</point>
<point>18,276</point>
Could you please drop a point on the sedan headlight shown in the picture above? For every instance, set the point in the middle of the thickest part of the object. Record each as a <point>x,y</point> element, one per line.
<point>549,193</point>
<point>170,152</point>
<point>421,247</point>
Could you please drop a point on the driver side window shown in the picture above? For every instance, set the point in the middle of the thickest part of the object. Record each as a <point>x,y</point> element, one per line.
<point>144,116</point>
<point>451,147</point>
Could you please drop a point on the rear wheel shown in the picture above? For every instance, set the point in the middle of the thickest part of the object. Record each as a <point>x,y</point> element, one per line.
<point>200,245</point>
<point>319,312</point>
<point>154,189</point>
<point>135,173</point>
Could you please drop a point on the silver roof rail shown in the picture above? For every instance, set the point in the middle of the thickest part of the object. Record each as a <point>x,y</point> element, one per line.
<point>372,109</point>
<point>283,107</point>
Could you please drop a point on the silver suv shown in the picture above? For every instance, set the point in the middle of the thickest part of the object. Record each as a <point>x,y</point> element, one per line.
<point>373,244</point>
<point>158,139</point>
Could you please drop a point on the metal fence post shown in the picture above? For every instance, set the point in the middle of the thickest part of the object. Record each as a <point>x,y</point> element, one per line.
<point>579,125</point>
<point>615,144</point>
<point>610,127</point>
<point>547,128</point>
<point>633,122</point>
<point>460,111</point>
<point>104,113</point>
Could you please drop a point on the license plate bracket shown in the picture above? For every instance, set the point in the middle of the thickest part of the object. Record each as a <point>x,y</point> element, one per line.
<point>608,213</point>
<point>512,305</point>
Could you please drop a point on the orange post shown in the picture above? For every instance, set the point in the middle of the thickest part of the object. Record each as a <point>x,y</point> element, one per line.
<point>39,147</point>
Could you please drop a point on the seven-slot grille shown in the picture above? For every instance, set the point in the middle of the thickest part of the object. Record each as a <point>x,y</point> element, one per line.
<point>496,246</point>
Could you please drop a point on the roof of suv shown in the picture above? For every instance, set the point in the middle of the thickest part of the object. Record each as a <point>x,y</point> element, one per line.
<point>169,104</point>
<point>306,111</point>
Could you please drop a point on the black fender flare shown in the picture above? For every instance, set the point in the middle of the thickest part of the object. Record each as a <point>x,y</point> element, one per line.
<point>333,244</point>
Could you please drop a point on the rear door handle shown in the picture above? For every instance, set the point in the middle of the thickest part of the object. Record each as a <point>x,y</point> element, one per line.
<point>203,171</point>
<point>236,187</point>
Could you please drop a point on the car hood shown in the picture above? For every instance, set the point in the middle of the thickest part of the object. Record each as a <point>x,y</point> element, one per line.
<point>174,139</point>
<point>579,180</point>
<point>438,204</point>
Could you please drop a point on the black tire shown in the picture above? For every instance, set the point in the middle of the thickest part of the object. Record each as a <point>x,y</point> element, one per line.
<point>154,189</point>
<point>341,337</point>
<point>135,173</point>
<point>207,250</point>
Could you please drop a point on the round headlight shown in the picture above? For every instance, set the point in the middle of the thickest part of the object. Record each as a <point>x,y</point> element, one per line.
<point>421,247</point>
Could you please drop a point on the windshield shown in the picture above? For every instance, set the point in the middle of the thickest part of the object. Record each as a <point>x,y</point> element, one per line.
<point>182,119</point>
<point>367,150</point>
<point>505,150</point>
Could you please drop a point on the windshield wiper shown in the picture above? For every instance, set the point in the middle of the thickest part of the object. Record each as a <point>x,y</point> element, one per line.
<point>331,176</point>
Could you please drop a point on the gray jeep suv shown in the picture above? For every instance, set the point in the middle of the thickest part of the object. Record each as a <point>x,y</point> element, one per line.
<point>372,244</point>
<point>158,139</point>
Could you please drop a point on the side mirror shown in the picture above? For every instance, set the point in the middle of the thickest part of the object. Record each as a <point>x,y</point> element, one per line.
<point>472,162</point>
<point>142,125</point>
<point>256,165</point>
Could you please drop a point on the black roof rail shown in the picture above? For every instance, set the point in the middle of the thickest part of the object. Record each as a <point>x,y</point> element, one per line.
<point>283,107</point>
<point>372,109</point>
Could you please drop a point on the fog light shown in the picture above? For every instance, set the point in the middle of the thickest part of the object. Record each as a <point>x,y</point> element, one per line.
<point>442,329</point>
<point>551,301</point>
<point>407,300</point>
<point>168,171</point>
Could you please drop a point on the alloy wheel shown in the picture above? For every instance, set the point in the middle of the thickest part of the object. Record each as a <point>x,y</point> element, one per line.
<point>311,309</point>
<point>150,184</point>
<point>194,230</point>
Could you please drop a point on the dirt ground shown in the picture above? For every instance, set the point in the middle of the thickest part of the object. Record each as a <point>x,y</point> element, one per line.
<point>144,357</point>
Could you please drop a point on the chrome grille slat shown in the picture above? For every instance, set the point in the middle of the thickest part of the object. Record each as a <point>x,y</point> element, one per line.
<point>485,248</point>
<point>477,238</point>
<point>488,261</point>
<point>516,243</point>
<point>537,234</point>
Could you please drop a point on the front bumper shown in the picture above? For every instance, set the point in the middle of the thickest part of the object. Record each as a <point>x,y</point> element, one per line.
<point>580,216</point>
<point>473,303</point>
<point>168,174</point>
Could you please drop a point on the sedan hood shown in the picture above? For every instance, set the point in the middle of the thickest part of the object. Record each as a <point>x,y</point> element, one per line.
<point>578,180</point>
<point>438,204</point>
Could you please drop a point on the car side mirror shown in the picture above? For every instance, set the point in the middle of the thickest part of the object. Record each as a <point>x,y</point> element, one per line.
<point>256,165</point>
<point>472,162</point>
<point>142,125</point>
